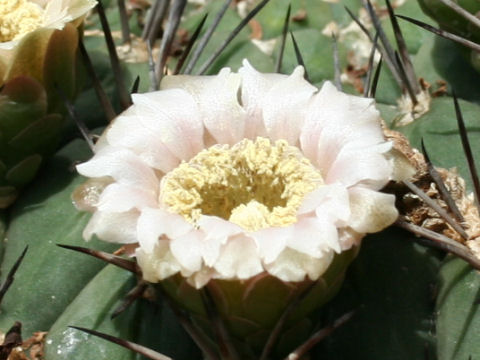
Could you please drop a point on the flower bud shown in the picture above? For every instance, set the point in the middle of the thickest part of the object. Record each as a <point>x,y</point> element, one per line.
<point>38,54</point>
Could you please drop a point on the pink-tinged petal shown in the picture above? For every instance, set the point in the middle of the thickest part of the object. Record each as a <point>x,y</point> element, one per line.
<point>217,231</point>
<point>155,223</point>
<point>157,264</point>
<point>113,227</point>
<point>367,165</point>
<point>323,109</point>
<point>372,211</point>
<point>121,198</point>
<point>292,265</point>
<point>254,86</point>
<point>239,259</point>
<point>217,100</point>
<point>314,237</point>
<point>285,107</point>
<point>173,117</point>
<point>335,119</point>
<point>187,249</point>
<point>329,200</point>
<point>127,131</point>
<point>123,166</point>
<point>271,241</point>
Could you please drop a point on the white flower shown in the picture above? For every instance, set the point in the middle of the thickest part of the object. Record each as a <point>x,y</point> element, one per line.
<point>233,175</point>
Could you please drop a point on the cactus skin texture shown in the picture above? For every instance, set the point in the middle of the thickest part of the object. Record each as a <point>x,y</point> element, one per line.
<point>31,120</point>
<point>452,22</point>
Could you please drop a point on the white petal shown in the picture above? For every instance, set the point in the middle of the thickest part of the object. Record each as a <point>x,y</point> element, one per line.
<point>121,198</point>
<point>254,87</point>
<point>334,120</point>
<point>239,259</point>
<point>314,236</point>
<point>155,223</point>
<point>271,241</point>
<point>215,226</point>
<point>217,231</point>
<point>113,227</point>
<point>372,211</point>
<point>173,116</point>
<point>367,165</point>
<point>102,141</point>
<point>294,266</point>
<point>187,249</point>
<point>159,264</point>
<point>330,200</point>
<point>403,169</point>
<point>285,105</point>
<point>217,100</point>
<point>123,166</point>
<point>348,238</point>
<point>202,277</point>
<point>127,131</point>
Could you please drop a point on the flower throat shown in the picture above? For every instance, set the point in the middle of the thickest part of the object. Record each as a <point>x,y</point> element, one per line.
<point>254,184</point>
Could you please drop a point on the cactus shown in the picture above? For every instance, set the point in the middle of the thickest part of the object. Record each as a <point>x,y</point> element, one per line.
<point>409,300</point>
<point>459,18</point>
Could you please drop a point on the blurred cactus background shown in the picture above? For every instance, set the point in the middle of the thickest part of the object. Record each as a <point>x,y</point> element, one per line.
<point>410,299</point>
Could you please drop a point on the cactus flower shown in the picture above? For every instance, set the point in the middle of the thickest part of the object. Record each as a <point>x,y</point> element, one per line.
<point>233,175</point>
<point>241,178</point>
<point>38,50</point>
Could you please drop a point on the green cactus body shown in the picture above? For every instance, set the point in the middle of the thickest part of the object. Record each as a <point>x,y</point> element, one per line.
<point>90,310</point>
<point>450,20</point>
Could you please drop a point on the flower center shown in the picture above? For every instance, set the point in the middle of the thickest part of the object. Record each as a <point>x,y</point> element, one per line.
<point>254,184</point>
<point>17,18</point>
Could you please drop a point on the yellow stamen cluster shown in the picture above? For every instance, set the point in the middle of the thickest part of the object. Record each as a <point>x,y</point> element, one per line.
<point>17,18</point>
<point>254,184</point>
